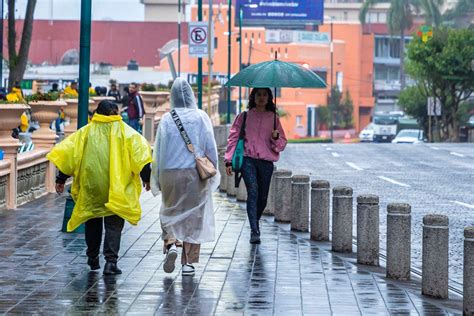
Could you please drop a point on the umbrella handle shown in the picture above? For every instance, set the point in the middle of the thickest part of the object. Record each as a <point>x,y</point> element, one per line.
<point>275,113</point>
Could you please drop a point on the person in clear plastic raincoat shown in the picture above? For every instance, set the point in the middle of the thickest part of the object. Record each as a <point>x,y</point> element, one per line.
<point>187,213</point>
<point>106,159</point>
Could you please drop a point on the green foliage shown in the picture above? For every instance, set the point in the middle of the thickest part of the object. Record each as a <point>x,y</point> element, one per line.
<point>323,115</point>
<point>466,110</point>
<point>147,87</point>
<point>49,96</point>
<point>223,118</point>
<point>310,140</point>
<point>70,96</point>
<point>442,68</point>
<point>413,102</point>
<point>342,108</point>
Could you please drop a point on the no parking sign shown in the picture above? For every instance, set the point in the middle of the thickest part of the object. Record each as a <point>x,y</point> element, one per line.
<point>198,37</point>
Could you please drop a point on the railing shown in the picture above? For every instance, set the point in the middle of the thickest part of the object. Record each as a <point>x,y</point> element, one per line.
<point>31,180</point>
<point>4,174</point>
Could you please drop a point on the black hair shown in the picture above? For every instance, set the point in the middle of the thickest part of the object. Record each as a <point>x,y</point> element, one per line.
<point>270,105</point>
<point>107,107</point>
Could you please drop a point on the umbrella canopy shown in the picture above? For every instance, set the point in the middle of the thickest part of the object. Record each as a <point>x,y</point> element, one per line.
<point>276,74</point>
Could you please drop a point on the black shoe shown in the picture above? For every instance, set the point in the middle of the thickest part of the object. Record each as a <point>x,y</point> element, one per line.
<point>111,268</point>
<point>254,238</point>
<point>93,263</point>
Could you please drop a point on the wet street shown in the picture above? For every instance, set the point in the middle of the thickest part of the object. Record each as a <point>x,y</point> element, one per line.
<point>44,271</point>
<point>432,178</point>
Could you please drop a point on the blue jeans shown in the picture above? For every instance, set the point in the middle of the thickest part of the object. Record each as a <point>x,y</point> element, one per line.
<point>134,123</point>
<point>257,175</point>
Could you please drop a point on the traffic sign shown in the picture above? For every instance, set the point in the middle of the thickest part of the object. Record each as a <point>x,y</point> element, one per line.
<point>198,37</point>
<point>433,107</point>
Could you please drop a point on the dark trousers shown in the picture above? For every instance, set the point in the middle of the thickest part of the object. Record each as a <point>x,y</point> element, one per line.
<point>113,233</point>
<point>257,175</point>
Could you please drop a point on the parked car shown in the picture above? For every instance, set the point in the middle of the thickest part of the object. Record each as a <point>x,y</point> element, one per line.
<point>367,134</point>
<point>409,136</point>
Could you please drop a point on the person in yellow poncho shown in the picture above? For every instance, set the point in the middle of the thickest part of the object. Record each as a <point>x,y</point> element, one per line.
<point>106,158</point>
<point>71,90</point>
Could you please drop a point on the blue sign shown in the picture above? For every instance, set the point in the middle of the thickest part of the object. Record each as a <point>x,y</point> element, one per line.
<point>279,12</point>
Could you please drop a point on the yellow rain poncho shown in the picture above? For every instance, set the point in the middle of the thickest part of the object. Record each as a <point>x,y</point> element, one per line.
<point>105,158</point>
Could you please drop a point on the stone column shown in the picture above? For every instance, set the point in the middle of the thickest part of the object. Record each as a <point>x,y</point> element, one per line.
<point>300,203</point>
<point>434,279</point>
<point>283,196</point>
<point>45,138</point>
<point>468,275</point>
<point>368,229</point>
<point>222,171</point>
<point>71,111</point>
<point>10,118</point>
<point>398,241</point>
<point>342,219</point>
<point>320,210</point>
<point>241,194</point>
<point>269,209</point>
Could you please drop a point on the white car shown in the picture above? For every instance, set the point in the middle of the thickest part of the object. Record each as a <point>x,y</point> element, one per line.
<point>409,136</point>
<point>367,134</point>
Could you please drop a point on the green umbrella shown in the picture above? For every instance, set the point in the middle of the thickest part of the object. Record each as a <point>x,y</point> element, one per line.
<point>276,74</point>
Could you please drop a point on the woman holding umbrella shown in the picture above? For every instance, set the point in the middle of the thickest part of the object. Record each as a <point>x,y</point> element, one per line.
<point>264,140</point>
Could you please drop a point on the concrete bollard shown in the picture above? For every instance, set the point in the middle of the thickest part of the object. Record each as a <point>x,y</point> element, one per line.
<point>468,275</point>
<point>398,241</point>
<point>320,210</point>
<point>241,194</point>
<point>230,187</point>
<point>300,203</point>
<point>221,165</point>
<point>342,219</point>
<point>282,190</point>
<point>270,208</point>
<point>434,276</point>
<point>368,229</point>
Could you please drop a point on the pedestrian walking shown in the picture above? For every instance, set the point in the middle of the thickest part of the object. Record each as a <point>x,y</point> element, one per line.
<point>106,158</point>
<point>187,213</point>
<point>264,140</point>
<point>134,107</point>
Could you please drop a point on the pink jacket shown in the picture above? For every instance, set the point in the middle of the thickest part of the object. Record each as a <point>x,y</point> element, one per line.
<point>259,143</point>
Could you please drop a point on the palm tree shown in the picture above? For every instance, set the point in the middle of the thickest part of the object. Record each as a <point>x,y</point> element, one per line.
<point>400,18</point>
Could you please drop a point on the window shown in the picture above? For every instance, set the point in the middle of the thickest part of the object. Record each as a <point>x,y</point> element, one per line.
<point>299,120</point>
<point>345,16</point>
<point>382,17</point>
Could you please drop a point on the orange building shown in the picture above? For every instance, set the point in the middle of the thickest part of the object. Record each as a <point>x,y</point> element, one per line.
<point>352,60</point>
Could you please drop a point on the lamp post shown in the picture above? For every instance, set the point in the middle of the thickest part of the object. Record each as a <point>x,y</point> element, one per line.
<point>229,47</point>
<point>179,38</point>
<point>84,62</point>
<point>199,80</point>
<point>241,16</point>
<point>1,49</point>
<point>331,127</point>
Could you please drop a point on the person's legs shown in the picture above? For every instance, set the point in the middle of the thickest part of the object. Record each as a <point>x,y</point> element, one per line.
<point>93,235</point>
<point>189,256</point>
<point>264,176</point>
<point>113,233</point>
<point>249,173</point>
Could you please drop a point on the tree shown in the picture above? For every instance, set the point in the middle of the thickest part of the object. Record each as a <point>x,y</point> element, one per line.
<point>413,102</point>
<point>341,108</point>
<point>442,69</point>
<point>17,60</point>
<point>460,16</point>
<point>400,19</point>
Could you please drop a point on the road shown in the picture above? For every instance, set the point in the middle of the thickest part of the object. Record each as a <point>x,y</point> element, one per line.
<point>432,178</point>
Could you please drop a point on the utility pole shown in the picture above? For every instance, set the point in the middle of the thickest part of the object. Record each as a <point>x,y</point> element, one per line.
<point>332,81</point>
<point>209,58</point>
<point>179,38</point>
<point>1,50</point>
<point>229,47</point>
<point>240,54</point>
<point>199,80</point>
<point>84,62</point>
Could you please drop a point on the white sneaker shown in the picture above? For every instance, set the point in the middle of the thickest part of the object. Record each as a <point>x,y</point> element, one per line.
<point>187,269</point>
<point>171,256</point>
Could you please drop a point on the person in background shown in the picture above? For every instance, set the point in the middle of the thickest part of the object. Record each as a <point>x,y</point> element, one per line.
<point>72,90</point>
<point>114,92</point>
<point>264,141</point>
<point>106,158</point>
<point>134,107</point>
<point>92,91</point>
<point>55,88</point>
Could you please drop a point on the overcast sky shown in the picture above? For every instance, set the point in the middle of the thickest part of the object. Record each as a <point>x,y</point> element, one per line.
<point>110,10</point>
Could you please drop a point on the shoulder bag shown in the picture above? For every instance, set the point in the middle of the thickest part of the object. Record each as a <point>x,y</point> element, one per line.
<point>238,156</point>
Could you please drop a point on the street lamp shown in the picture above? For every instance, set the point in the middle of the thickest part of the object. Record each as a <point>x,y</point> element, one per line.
<point>241,16</point>
<point>331,75</point>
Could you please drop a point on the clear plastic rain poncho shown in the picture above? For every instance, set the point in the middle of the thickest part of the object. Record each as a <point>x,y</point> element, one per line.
<point>187,211</point>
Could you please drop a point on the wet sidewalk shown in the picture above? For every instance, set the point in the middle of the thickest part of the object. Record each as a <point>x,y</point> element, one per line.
<point>44,271</point>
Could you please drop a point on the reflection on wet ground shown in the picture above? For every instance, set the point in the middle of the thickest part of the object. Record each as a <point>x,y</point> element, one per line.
<point>44,271</point>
